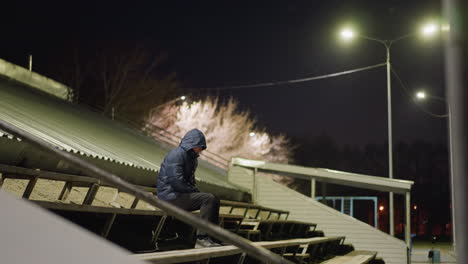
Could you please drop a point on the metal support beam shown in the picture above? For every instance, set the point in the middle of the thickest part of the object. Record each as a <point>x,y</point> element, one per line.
<point>158,229</point>
<point>91,194</point>
<point>376,224</point>
<point>2,179</point>
<point>135,203</point>
<point>456,80</point>
<point>258,213</point>
<point>312,188</point>
<point>65,191</point>
<point>30,188</point>
<point>324,192</point>
<point>107,227</point>
<point>391,215</point>
<point>254,186</point>
<point>241,258</point>
<point>408,219</point>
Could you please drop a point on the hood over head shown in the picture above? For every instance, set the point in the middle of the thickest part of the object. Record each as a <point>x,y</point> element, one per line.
<point>193,138</point>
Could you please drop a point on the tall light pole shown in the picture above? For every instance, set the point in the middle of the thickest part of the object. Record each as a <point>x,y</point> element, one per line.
<point>421,95</point>
<point>348,34</point>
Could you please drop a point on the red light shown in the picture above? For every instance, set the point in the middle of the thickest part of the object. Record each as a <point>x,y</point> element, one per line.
<point>415,207</point>
<point>381,208</point>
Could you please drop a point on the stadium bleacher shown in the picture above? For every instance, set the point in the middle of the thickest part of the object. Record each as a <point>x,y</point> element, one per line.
<point>171,241</point>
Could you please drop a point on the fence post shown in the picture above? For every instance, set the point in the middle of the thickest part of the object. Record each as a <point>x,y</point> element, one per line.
<point>254,186</point>
<point>312,188</point>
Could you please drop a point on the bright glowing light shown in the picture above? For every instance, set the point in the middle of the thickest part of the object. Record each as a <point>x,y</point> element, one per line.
<point>381,208</point>
<point>183,97</point>
<point>415,207</point>
<point>252,134</point>
<point>429,29</point>
<point>445,27</point>
<point>421,95</point>
<point>347,34</point>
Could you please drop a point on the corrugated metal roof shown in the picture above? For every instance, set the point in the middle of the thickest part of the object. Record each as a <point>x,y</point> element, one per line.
<point>80,131</point>
<point>330,176</point>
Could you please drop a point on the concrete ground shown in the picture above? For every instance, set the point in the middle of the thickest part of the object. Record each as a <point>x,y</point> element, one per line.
<point>421,250</point>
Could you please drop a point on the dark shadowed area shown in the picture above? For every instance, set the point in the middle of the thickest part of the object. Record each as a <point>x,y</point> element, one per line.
<point>338,123</point>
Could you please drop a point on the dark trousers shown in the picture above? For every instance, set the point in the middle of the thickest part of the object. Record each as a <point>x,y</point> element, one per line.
<point>207,203</point>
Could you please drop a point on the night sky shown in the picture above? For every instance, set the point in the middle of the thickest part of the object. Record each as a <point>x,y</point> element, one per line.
<point>227,43</point>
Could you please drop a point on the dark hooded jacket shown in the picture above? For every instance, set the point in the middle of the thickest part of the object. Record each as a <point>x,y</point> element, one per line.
<point>177,172</point>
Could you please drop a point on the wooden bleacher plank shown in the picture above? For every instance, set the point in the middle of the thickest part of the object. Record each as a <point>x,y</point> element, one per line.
<point>273,221</point>
<point>292,230</point>
<point>24,173</point>
<point>249,230</point>
<point>96,209</point>
<point>197,254</point>
<point>259,208</point>
<point>186,255</point>
<point>354,257</point>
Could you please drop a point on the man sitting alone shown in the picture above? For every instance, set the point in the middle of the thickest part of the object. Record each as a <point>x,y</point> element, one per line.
<point>176,183</point>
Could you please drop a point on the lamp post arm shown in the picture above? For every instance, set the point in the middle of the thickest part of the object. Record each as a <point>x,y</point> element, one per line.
<point>441,99</point>
<point>409,35</point>
<point>383,42</point>
<point>388,43</point>
<point>438,98</point>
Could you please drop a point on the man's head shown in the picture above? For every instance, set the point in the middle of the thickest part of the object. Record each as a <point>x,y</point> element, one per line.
<point>193,139</point>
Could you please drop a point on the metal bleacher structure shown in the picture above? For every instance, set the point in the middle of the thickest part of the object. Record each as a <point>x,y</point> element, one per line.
<point>268,214</point>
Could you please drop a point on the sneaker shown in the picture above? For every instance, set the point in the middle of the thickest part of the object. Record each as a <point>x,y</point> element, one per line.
<point>206,242</point>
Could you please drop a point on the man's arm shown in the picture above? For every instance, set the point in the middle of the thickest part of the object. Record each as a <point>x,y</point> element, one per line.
<point>178,181</point>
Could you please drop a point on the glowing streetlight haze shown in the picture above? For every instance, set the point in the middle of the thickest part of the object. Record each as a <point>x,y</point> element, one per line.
<point>429,29</point>
<point>445,28</point>
<point>421,95</point>
<point>347,34</point>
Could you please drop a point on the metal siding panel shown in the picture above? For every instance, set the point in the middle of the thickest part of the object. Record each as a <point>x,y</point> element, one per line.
<point>241,176</point>
<point>332,222</point>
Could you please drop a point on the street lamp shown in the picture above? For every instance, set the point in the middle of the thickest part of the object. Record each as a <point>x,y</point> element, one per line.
<point>421,95</point>
<point>348,34</point>
<point>429,29</point>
